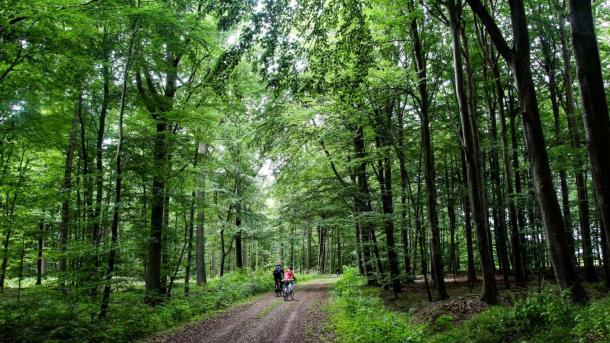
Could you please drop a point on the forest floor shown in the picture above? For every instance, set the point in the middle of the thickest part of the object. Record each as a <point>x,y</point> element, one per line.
<point>265,319</point>
<point>464,300</point>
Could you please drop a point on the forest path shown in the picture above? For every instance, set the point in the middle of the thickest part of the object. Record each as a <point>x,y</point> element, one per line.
<point>267,319</point>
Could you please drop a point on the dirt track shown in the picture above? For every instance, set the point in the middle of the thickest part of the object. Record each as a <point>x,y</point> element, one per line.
<point>267,319</point>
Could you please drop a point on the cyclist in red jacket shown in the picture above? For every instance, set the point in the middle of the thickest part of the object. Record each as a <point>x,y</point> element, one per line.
<point>289,278</point>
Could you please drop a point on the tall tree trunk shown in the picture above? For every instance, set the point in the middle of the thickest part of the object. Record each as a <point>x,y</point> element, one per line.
<point>499,217</point>
<point>516,247</point>
<point>428,150</point>
<point>470,147</point>
<point>321,250</point>
<point>519,60</point>
<point>40,262</point>
<point>518,193</point>
<point>189,248</point>
<point>308,254</point>
<point>549,67</point>
<point>385,182</point>
<point>64,229</point>
<point>593,99</point>
<point>605,254</point>
<point>573,127</point>
<point>363,204</point>
<point>238,237</point>
<point>404,235</point>
<point>153,279</point>
<point>200,253</point>
<point>117,187</point>
<point>9,211</point>
<point>472,274</point>
<point>88,213</point>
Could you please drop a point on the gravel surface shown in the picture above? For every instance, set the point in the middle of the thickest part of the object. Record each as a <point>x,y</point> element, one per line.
<point>267,319</point>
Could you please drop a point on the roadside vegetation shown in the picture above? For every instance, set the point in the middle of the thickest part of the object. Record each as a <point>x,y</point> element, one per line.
<point>359,315</point>
<point>44,315</point>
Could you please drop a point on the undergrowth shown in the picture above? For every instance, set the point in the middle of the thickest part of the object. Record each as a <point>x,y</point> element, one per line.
<point>541,317</point>
<point>44,314</point>
<point>357,317</point>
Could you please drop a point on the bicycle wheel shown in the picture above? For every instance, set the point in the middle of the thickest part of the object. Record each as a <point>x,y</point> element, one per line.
<point>292,295</point>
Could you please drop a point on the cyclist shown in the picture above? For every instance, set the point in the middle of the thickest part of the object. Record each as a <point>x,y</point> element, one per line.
<point>289,279</point>
<point>277,277</point>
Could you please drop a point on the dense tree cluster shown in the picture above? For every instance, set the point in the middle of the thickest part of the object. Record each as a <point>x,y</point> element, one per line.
<point>164,141</point>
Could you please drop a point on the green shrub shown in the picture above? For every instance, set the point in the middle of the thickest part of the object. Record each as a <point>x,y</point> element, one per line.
<point>593,322</point>
<point>44,314</point>
<point>359,318</point>
<point>544,313</point>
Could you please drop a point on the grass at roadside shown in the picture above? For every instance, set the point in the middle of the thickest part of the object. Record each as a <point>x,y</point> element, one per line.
<point>358,315</point>
<point>44,314</point>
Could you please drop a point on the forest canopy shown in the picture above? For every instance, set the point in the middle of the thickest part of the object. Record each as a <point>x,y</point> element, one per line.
<point>149,149</point>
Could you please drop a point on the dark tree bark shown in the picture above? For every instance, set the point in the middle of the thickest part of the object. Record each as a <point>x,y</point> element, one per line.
<point>384,116</point>
<point>117,189</point>
<point>364,207</point>
<point>516,247</point>
<point>321,250</point>
<point>569,105</point>
<point>470,146</point>
<point>158,105</point>
<point>308,254</point>
<point>472,274</point>
<point>430,170</point>
<point>549,67</point>
<point>200,249</point>
<point>238,251</point>
<point>498,211</point>
<point>518,188</point>
<point>518,58</point>
<point>67,190</point>
<point>400,152</point>
<point>9,211</point>
<point>99,176</point>
<point>593,99</point>
<point>40,261</point>
<point>189,247</point>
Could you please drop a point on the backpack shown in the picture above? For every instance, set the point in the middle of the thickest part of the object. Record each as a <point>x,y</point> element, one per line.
<point>278,269</point>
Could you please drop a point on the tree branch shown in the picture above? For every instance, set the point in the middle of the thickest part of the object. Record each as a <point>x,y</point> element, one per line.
<point>494,32</point>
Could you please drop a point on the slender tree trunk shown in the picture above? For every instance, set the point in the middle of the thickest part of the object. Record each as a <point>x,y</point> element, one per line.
<point>549,66</point>
<point>200,253</point>
<point>64,229</point>
<point>605,254</point>
<point>569,105</point>
<point>519,60</point>
<point>400,151</point>
<point>385,181</point>
<point>40,262</point>
<point>9,211</point>
<point>308,254</point>
<point>516,248</point>
<point>430,172</point>
<point>364,208</point>
<point>518,193</point>
<point>238,237</point>
<point>593,99</point>
<point>472,274</point>
<point>189,248</point>
<point>117,189</point>
<point>470,147</point>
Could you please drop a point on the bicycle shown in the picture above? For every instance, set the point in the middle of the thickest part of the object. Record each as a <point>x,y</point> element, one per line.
<point>279,288</point>
<point>288,291</point>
